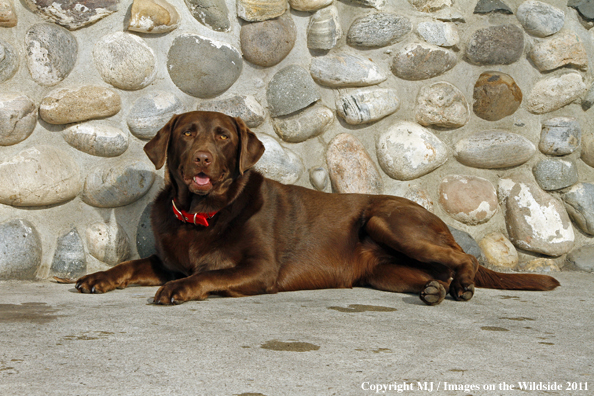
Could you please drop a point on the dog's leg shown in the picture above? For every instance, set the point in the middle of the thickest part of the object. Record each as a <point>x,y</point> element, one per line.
<point>145,272</point>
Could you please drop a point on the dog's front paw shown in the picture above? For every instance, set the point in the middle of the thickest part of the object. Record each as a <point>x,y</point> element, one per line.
<point>433,293</point>
<point>99,282</point>
<point>177,292</point>
<point>460,291</point>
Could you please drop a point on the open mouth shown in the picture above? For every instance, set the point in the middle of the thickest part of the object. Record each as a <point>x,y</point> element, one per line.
<point>201,182</point>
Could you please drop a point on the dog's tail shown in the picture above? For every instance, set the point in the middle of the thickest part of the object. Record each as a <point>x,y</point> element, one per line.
<point>497,280</point>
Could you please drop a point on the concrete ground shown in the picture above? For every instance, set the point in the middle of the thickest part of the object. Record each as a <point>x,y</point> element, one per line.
<point>55,341</point>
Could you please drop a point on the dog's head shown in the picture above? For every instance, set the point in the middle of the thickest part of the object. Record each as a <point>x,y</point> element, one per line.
<point>204,150</point>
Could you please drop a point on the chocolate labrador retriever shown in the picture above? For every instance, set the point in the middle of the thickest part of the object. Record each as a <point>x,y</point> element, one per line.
<point>223,228</point>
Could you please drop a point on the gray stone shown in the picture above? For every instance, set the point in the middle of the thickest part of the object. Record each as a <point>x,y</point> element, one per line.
<point>449,14</point>
<point>540,19</point>
<point>494,149</point>
<point>407,151</point>
<point>350,167</point>
<point>588,149</point>
<point>468,199</point>
<point>97,139</point>
<point>267,43</point>
<point>69,257</point>
<point>39,176</point>
<point>419,61</point>
<point>125,61</point>
<point>211,13</point>
<point>291,89</point>
<point>345,70</point>
<point>563,49</point>
<point>495,45</point>
<point>579,202</point>
<point>153,16</point>
<point>378,30</point>
<point>367,105</point>
<point>145,239</point>
<point>584,7</point>
<point>65,106</point>
<point>112,185</point>
<point>535,220</point>
<point>431,5</point>
<point>304,125</point>
<point>588,100</point>
<point>441,105</point>
<point>319,179</point>
<point>467,243</point>
<point>8,16</point>
<point>258,10</point>
<point>20,250</point>
<point>324,31</point>
<point>554,92</point>
<point>496,96</point>
<point>151,112</point>
<point>203,67</point>
<point>18,117</point>
<point>555,173</point>
<point>582,258</point>
<point>245,107</point>
<point>444,34</point>
<point>279,163</point>
<point>9,61</point>
<point>108,242</point>
<point>309,5</point>
<point>378,4</point>
<point>500,254</point>
<point>488,6</point>
<point>51,53</point>
<point>72,14</point>
<point>560,136</point>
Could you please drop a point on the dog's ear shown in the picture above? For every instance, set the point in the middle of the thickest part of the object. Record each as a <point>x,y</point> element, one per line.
<point>250,148</point>
<point>156,148</point>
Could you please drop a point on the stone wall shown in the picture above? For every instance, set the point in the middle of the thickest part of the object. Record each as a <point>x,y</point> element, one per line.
<point>476,109</point>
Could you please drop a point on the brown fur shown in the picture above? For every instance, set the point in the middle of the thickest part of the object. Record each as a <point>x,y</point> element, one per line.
<point>268,237</point>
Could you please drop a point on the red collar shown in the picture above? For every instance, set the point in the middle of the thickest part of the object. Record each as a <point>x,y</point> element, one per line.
<point>194,218</point>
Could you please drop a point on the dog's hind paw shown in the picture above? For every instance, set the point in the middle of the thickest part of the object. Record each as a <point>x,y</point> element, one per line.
<point>460,293</point>
<point>433,293</point>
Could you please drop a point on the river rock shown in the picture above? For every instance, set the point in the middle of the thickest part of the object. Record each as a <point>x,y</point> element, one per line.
<point>540,265</point>
<point>151,112</point>
<point>245,107</point>
<point>540,19</point>
<point>72,14</point>
<point>291,89</point>
<point>584,7</point>
<point>211,13</point>
<point>441,105</point>
<point>367,105</point>
<point>489,6</point>
<point>535,220</point>
<point>419,61</point>
<point>554,92</point>
<point>39,176</point>
<point>108,242</point>
<point>153,16</point>
<point>345,70</point>
<point>443,34</point>
<point>407,151</point>
<point>414,192</point>
<point>8,16</point>
<point>97,139</point>
<point>431,5</point>
<point>65,106</point>
<point>582,259</point>
<point>125,61</point>
<point>467,243</point>
<point>304,125</point>
<point>319,179</point>
<point>494,149</point>
<point>378,30</point>
<point>555,173</point>
<point>468,199</point>
<point>51,53</point>
<point>563,49</point>
<point>260,10</point>
<point>9,61</point>
<point>560,136</point>
<point>495,45</point>
<point>111,185</point>
<point>309,5</point>
<point>579,202</point>
<point>588,100</point>
<point>279,163</point>
<point>18,117</point>
<point>324,31</point>
<point>500,254</point>
<point>69,257</point>
<point>20,250</point>
<point>496,96</point>
<point>145,238</point>
<point>267,43</point>
<point>203,67</point>
<point>350,167</point>
<point>588,149</point>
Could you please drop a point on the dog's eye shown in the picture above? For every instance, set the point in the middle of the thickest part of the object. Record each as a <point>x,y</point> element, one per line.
<point>223,137</point>
<point>187,133</point>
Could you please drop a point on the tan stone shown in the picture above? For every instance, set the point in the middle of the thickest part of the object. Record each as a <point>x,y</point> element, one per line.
<point>499,252</point>
<point>65,106</point>
<point>468,199</point>
<point>441,105</point>
<point>309,5</point>
<point>563,49</point>
<point>588,149</point>
<point>540,265</point>
<point>260,10</point>
<point>496,95</point>
<point>153,16</point>
<point>8,17</point>
<point>431,5</point>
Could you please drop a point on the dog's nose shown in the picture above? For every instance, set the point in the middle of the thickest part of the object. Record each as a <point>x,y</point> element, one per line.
<point>203,158</point>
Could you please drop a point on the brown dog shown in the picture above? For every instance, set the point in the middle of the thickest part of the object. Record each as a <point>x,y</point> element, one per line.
<point>223,228</point>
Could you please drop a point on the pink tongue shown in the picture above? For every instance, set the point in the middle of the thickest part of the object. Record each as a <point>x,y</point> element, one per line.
<point>201,180</point>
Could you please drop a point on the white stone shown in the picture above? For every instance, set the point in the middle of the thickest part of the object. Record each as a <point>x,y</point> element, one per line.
<point>309,5</point>
<point>441,105</point>
<point>367,105</point>
<point>540,19</point>
<point>554,92</point>
<point>18,118</point>
<point>345,70</point>
<point>444,34</point>
<point>499,252</point>
<point>563,49</point>
<point>279,163</point>
<point>97,139</point>
<point>309,123</point>
<point>108,242</point>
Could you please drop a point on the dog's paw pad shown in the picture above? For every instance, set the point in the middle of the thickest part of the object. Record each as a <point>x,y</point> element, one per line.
<point>463,293</point>
<point>433,294</point>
